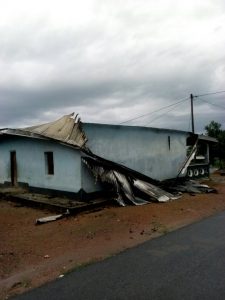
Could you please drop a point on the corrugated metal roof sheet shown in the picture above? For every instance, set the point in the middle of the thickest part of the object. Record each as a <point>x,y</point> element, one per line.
<point>207,138</point>
<point>67,129</point>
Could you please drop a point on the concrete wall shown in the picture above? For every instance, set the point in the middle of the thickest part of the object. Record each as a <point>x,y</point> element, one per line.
<point>145,150</point>
<point>31,165</point>
<point>88,182</point>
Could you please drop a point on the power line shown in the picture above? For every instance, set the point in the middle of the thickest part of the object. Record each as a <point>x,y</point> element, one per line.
<point>150,113</point>
<point>212,104</point>
<point>158,117</point>
<point>173,104</point>
<point>212,93</point>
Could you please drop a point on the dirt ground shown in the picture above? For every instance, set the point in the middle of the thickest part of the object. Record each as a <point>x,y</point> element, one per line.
<point>31,255</point>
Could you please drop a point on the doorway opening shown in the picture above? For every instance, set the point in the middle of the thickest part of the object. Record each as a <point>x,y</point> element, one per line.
<point>13,168</point>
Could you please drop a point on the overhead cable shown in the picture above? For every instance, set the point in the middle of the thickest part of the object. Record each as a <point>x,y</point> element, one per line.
<point>212,104</point>
<point>158,117</point>
<point>207,94</point>
<point>150,113</point>
<point>172,105</point>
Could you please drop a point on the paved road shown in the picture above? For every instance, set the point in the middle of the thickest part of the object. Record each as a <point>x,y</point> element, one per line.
<point>185,264</point>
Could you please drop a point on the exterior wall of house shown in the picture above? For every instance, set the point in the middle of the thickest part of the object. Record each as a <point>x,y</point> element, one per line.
<point>88,182</point>
<point>31,163</point>
<point>158,153</point>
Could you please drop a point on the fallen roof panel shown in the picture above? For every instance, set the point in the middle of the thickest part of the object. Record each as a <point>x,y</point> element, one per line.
<point>66,129</point>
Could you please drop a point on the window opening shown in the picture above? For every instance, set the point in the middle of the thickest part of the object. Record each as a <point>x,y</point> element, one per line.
<point>49,163</point>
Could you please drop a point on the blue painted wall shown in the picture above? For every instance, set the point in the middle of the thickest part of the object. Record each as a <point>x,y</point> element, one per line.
<point>31,166</point>
<point>143,149</point>
<point>88,181</point>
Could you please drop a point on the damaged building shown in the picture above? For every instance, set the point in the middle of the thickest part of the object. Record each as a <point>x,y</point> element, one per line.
<point>77,159</point>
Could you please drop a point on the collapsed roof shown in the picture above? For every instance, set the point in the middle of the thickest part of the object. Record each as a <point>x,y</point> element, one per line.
<point>67,129</point>
<point>128,184</point>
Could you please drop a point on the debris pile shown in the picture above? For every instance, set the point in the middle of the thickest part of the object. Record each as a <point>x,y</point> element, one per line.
<point>132,187</point>
<point>128,185</point>
<point>191,186</point>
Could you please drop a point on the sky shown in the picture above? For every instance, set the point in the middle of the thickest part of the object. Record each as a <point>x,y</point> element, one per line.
<point>112,61</point>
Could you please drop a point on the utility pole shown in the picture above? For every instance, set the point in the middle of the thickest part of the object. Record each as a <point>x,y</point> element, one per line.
<point>192,114</point>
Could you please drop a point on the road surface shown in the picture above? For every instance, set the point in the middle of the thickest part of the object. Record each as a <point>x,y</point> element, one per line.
<point>188,263</point>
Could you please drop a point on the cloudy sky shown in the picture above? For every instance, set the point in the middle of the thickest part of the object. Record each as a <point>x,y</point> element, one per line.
<point>111,61</point>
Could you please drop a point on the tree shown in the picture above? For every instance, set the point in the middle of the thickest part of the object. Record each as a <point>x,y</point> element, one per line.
<point>217,155</point>
<point>213,129</point>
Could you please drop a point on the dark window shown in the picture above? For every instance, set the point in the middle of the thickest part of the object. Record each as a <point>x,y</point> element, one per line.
<point>49,163</point>
<point>169,142</point>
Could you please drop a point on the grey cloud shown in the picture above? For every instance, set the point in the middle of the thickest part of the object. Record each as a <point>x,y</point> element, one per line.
<point>128,60</point>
